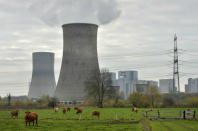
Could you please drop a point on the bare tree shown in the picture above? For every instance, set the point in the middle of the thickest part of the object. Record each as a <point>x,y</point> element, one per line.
<point>153,95</point>
<point>99,87</point>
<point>9,99</point>
<point>53,102</point>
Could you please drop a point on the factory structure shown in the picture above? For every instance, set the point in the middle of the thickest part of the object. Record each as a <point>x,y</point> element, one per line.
<point>79,61</point>
<point>166,86</point>
<point>43,79</point>
<point>142,85</point>
<point>128,82</point>
<point>192,86</point>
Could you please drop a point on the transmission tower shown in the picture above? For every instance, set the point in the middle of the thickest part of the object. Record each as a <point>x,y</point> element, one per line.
<point>176,85</point>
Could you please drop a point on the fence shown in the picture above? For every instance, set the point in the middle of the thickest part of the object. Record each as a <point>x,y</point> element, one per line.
<point>157,114</point>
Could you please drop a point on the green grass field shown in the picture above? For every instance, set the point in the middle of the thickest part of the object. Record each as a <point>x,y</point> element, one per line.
<point>125,121</point>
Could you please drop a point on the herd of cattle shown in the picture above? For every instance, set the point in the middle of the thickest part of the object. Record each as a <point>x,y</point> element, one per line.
<point>33,116</point>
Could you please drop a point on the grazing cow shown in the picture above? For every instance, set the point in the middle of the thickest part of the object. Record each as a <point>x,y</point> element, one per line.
<point>31,117</point>
<point>188,109</point>
<point>135,109</point>
<point>56,109</point>
<point>79,111</point>
<point>76,108</point>
<point>14,113</point>
<point>68,108</point>
<point>149,110</point>
<point>64,110</point>
<point>96,113</point>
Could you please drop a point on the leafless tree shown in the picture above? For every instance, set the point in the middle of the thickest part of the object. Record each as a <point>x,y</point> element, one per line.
<point>99,87</point>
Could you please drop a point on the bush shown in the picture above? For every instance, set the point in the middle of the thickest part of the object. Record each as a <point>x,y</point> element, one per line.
<point>89,103</point>
<point>191,102</point>
<point>114,103</point>
<point>44,100</point>
<point>168,102</point>
<point>53,102</point>
<point>18,103</point>
<point>138,100</point>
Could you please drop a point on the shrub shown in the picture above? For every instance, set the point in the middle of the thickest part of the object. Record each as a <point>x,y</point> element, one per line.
<point>168,102</point>
<point>191,102</point>
<point>138,100</point>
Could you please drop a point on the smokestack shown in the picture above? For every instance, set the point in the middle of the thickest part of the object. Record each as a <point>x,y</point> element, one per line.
<point>79,60</point>
<point>43,80</point>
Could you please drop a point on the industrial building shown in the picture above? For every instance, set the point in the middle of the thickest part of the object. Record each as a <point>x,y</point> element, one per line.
<point>126,81</point>
<point>166,86</point>
<point>192,86</point>
<point>128,75</point>
<point>79,61</point>
<point>43,79</point>
<point>142,85</point>
<point>187,88</point>
<point>113,76</point>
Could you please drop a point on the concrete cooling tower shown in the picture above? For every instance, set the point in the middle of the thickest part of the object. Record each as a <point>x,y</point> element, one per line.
<point>43,79</point>
<point>79,60</point>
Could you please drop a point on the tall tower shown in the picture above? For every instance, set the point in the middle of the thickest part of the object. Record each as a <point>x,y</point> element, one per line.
<point>43,80</point>
<point>79,60</point>
<point>176,68</point>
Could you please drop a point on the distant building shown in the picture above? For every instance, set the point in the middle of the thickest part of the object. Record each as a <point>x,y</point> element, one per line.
<point>113,75</point>
<point>128,75</point>
<point>192,85</point>
<point>142,85</point>
<point>166,85</point>
<point>126,81</point>
<point>187,88</point>
<point>113,78</point>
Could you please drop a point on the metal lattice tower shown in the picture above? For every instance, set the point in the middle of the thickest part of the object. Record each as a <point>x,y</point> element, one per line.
<point>176,84</point>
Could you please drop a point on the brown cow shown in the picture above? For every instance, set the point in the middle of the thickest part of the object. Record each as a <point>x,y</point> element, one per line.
<point>64,110</point>
<point>31,117</point>
<point>135,109</point>
<point>79,111</point>
<point>76,108</point>
<point>96,113</point>
<point>68,109</point>
<point>56,109</point>
<point>149,110</point>
<point>14,113</point>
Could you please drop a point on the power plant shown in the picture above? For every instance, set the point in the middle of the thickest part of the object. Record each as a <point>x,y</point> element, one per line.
<point>43,79</point>
<point>79,60</point>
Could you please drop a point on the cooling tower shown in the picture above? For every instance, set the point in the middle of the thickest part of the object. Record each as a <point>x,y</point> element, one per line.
<point>79,60</point>
<point>43,80</point>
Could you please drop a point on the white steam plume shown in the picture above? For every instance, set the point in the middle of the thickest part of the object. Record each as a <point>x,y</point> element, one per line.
<point>56,12</point>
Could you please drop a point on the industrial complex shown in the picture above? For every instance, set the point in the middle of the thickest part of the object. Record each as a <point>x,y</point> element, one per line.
<point>79,60</point>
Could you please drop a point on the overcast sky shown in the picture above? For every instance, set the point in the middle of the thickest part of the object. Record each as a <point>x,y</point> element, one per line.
<point>133,35</point>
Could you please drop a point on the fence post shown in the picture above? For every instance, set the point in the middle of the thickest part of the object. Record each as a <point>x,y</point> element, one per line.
<point>184,115</point>
<point>158,114</point>
<point>116,116</point>
<point>123,116</point>
<point>146,114</point>
<point>194,114</point>
<point>80,117</point>
<point>180,114</point>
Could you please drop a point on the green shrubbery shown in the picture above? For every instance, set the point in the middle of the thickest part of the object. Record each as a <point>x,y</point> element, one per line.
<point>152,98</point>
<point>44,102</point>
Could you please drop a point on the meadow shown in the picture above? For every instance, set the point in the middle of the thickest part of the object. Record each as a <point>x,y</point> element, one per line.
<point>112,119</point>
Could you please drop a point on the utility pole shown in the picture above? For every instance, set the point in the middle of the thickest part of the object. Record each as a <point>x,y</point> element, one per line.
<point>176,68</point>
